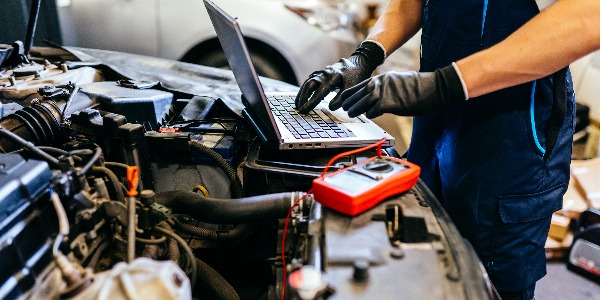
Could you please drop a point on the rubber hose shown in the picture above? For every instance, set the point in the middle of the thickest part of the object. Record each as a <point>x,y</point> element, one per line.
<point>237,190</point>
<point>112,178</point>
<point>228,211</point>
<point>212,284</point>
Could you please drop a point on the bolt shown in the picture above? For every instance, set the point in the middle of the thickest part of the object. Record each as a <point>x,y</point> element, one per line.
<point>12,80</point>
<point>361,270</point>
<point>453,275</point>
<point>64,68</point>
<point>397,253</point>
<point>90,236</point>
<point>80,250</point>
<point>177,280</point>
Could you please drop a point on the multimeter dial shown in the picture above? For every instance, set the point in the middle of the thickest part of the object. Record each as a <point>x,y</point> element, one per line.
<point>379,166</point>
<point>359,187</point>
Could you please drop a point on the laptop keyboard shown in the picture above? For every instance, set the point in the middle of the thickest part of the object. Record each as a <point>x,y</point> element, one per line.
<point>313,125</point>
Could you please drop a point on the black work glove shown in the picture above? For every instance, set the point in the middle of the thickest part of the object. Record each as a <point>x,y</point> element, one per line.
<point>341,75</point>
<point>404,94</point>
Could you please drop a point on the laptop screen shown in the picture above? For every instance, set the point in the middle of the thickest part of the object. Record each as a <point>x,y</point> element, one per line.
<point>238,56</point>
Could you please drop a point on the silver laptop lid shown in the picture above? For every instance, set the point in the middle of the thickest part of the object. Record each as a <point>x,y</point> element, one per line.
<point>238,56</point>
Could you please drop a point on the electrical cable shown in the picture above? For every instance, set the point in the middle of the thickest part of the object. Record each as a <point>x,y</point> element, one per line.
<point>63,223</point>
<point>160,240</point>
<point>379,153</point>
<point>237,190</point>
<point>174,250</point>
<point>197,231</point>
<point>112,178</point>
<point>96,256</point>
<point>287,218</point>
<point>283,237</point>
<point>90,162</point>
<point>29,147</point>
<point>185,247</point>
<point>116,164</point>
<point>70,273</point>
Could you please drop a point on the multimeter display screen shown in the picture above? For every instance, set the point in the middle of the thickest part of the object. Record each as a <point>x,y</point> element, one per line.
<point>349,182</point>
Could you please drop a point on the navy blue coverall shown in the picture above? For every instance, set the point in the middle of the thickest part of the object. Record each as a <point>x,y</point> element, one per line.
<point>498,163</point>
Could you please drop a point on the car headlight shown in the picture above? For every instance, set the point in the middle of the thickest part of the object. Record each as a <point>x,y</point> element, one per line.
<point>325,17</point>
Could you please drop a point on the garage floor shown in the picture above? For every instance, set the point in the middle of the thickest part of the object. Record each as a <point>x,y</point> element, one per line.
<point>561,283</point>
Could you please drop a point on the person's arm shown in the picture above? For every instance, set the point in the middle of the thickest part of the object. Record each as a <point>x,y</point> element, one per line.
<point>399,21</point>
<point>566,31</point>
<point>559,35</point>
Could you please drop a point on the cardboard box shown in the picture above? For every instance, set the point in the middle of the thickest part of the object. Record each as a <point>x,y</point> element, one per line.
<point>587,179</point>
<point>574,203</point>
<point>559,227</point>
<point>558,250</point>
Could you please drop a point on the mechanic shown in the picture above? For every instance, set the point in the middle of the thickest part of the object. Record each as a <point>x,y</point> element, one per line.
<point>499,163</point>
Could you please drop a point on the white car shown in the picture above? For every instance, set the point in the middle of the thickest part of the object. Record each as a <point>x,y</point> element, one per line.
<point>288,39</point>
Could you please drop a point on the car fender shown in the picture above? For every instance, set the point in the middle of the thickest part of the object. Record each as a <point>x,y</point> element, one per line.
<point>293,39</point>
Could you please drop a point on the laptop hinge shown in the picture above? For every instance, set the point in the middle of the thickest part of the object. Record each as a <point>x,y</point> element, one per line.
<point>261,134</point>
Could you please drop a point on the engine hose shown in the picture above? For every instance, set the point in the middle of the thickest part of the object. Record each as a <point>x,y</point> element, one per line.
<point>112,178</point>
<point>212,284</point>
<point>228,211</point>
<point>237,190</point>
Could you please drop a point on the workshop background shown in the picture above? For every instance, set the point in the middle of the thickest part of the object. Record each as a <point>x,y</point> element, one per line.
<point>584,188</point>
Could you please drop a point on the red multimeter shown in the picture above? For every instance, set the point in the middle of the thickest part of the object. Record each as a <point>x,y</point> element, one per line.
<point>358,188</point>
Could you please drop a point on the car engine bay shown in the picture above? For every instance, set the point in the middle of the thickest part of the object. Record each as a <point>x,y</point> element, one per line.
<point>126,177</point>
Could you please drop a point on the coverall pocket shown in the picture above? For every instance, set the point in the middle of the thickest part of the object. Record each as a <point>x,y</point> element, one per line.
<point>517,257</point>
<point>530,207</point>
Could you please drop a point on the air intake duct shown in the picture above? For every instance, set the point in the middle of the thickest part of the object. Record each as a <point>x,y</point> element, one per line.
<point>38,124</point>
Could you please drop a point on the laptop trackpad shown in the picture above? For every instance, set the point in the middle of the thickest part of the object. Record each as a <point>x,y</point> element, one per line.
<point>363,129</point>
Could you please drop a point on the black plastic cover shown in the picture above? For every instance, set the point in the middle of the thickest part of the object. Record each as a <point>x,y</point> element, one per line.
<point>27,223</point>
<point>148,107</point>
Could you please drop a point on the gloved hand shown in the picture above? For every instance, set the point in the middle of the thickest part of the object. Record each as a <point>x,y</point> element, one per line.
<point>341,75</point>
<point>404,94</point>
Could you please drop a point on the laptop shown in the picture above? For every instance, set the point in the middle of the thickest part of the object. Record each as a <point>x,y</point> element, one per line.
<point>274,116</point>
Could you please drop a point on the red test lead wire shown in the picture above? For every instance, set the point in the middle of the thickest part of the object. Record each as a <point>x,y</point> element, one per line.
<point>287,218</point>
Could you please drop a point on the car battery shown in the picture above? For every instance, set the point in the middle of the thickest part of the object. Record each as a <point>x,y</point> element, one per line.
<point>168,146</point>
